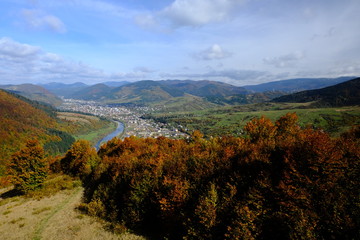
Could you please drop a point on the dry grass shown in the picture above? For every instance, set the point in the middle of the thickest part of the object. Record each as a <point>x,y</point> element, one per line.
<point>76,117</point>
<point>54,217</point>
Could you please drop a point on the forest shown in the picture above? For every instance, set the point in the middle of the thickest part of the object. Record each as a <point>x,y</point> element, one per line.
<point>277,181</point>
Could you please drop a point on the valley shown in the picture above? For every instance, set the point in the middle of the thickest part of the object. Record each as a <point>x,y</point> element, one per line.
<point>132,119</point>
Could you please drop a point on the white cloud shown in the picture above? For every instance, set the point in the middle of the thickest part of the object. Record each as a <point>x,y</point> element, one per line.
<point>198,12</point>
<point>26,63</point>
<point>12,50</point>
<point>145,20</point>
<point>194,13</point>
<point>234,76</point>
<point>288,60</point>
<point>23,63</point>
<point>215,52</point>
<point>107,8</point>
<point>39,20</point>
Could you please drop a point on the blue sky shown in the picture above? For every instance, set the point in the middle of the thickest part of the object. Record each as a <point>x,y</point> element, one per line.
<point>235,41</point>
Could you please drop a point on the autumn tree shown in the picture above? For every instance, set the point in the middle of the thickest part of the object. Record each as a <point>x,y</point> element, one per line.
<point>80,159</point>
<point>28,167</point>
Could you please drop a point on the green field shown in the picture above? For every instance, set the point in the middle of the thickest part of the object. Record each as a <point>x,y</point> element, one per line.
<point>231,120</point>
<point>91,128</point>
<point>98,134</point>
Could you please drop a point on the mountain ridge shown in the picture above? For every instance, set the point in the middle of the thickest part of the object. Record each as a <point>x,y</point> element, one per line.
<point>342,94</point>
<point>297,84</point>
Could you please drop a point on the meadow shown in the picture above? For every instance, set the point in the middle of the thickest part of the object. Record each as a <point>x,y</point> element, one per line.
<point>231,120</point>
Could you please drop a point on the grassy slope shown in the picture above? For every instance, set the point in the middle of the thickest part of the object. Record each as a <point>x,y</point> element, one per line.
<point>97,135</point>
<point>88,127</point>
<point>230,120</point>
<point>52,217</point>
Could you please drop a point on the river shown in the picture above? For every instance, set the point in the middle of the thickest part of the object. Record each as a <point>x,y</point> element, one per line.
<point>117,132</point>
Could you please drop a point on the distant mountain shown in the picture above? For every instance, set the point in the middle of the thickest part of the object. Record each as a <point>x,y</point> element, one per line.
<point>34,92</point>
<point>143,92</point>
<point>95,92</point>
<point>170,95</point>
<point>342,94</point>
<point>63,89</point>
<point>204,88</point>
<point>116,84</point>
<point>297,85</point>
<point>148,91</point>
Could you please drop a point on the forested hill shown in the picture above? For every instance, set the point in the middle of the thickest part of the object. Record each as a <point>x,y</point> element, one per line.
<point>20,121</point>
<point>148,91</point>
<point>34,92</point>
<point>297,84</point>
<point>343,94</point>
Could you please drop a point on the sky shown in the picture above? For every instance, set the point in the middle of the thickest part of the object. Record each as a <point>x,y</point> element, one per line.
<point>240,42</point>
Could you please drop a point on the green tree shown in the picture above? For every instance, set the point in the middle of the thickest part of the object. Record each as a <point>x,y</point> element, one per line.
<point>28,168</point>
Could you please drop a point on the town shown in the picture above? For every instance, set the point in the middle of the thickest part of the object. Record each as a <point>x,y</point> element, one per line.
<point>134,125</point>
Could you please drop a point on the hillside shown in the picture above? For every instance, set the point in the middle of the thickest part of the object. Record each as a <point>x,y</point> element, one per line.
<point>20,121</point>
<point>145,92</point>
<point>63,89</point>
<point>94,92</point>
<point>343,94</point>
<point>296,85</point>
<point>34,92</point>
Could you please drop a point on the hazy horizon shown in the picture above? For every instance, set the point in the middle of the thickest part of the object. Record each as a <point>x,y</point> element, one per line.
<point>241,42</point>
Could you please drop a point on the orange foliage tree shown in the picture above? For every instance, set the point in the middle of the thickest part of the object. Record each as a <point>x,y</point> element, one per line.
<point>80,159</point>
<point>28,168</point>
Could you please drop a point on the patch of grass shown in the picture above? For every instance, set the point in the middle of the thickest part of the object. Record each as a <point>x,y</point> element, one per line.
<point>40,210</point>
<point>80,216</point>
<point>116,228</point>
<point>10,200</point>
<point>54,184</point>
<point>6,212</point>
<point>17,220</point>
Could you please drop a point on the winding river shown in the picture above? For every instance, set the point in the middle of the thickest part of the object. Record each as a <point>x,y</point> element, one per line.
<point>117,132</point>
